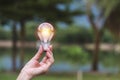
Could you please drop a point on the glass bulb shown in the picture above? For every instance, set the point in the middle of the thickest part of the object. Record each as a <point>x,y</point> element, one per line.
<point>45,33</point>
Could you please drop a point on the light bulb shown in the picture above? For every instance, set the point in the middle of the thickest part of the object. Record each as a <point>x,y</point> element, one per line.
<point>45,33</point>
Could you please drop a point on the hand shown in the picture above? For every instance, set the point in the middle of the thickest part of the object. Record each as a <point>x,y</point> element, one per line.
<point>34,67</point>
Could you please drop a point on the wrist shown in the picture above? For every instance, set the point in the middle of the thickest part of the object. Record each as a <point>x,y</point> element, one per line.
<point>24,76</point>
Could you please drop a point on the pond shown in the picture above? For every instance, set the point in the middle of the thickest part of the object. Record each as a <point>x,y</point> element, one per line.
<point>65,65</point>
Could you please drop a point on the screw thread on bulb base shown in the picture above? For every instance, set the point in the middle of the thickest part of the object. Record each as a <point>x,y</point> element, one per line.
<point>45,45</point>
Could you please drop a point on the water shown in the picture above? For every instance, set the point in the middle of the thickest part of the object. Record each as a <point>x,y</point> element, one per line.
<point>60,66</point>
<point>6,62</point>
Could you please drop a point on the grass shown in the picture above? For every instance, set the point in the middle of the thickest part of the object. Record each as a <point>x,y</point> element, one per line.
<point>13,76</point>
<point>101,76</point>
<point>86,76</point>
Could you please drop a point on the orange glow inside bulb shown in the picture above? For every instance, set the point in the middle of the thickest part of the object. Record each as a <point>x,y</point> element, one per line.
<point>45,32</point>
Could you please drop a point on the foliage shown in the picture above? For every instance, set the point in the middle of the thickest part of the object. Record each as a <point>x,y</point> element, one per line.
<point>74,34</point>
<point>42,9</point>
<point>108,8</point>
<point>31,31</point>
<point>73,53</point>
<point>107,37</point>
<point>110,59</point>
<point>4,35</point>
<point>107,16</point>
<point>68,35</point>
<point>110,13</point>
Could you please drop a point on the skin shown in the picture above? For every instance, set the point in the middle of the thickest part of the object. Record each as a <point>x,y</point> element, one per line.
<point>34,67</point>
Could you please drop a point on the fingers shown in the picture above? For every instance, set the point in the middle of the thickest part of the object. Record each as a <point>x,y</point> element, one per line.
<point>51,47</point>
<point>46,62</point>
<point>50,59</point>
<point>43,60</point>
<point>38,54</point>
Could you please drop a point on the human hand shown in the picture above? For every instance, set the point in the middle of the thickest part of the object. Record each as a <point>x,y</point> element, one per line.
<point>34,67</point>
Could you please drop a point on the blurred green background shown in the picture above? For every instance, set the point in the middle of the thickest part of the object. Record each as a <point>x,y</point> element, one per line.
<point>86,44</point>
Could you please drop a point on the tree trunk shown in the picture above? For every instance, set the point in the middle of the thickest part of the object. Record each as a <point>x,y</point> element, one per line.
<point>98,34</point>
<point>96,51</point>
<point>14,47</point>
<point>22,38</point>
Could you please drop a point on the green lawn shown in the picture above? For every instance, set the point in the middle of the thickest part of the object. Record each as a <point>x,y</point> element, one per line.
<point>13,76</point>
<point>101,77</point>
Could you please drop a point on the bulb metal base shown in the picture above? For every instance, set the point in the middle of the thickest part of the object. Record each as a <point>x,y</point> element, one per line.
<point>45,45</point>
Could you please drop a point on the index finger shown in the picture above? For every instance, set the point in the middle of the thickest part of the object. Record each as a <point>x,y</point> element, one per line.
<point>50,59</point>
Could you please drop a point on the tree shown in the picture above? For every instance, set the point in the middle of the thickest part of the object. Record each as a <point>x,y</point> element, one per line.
<point>14,48</point>
<point>103,20</point>
<point>24,10</point>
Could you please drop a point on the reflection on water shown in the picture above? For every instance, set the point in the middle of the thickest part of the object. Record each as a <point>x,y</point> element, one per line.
<point>63,67</point>
<point>6,64</point>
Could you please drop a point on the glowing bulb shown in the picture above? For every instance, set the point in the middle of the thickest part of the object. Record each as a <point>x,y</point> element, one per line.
<point>45,33</point>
